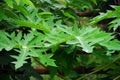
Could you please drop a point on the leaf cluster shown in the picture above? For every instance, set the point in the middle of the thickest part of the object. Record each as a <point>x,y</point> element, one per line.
<point>46,39</point>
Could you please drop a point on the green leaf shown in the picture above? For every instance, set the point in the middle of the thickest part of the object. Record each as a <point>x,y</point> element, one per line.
<point>28,2</point>
<point>44,13</point>
<point>94,1</point>
<point>22,9</point>
<point>18,1</point>
<point>109,14</point>
<point>10,14</point>
<point>46,60</point>
<point>81,4</point>
<point>28,38</point>
<point>100,55</point>
<point>88,37</point>
<point>44,26</point>
<point>23,48</point>
<point>41,25</point>
<point>9,3</point>
<point>5,42</point>
<point>114,24</point>
<point>86,47</point>
<point>21,58</point>
<point>76,29</point>
<point>111,45</point>
<point>26,23</point>
<point>2,14</point>
<point>68,15</point>
<point>18,38</point>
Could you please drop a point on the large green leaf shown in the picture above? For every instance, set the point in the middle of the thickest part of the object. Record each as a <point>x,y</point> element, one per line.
<point>23,48</point>
<point>88,37</point>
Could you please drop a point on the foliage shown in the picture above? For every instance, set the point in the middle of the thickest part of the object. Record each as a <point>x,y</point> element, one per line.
<point>87,4</point>
<point>109,14</point>
<point>31,35</point>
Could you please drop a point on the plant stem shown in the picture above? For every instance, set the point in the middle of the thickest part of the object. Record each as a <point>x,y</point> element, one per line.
<point>116,78</point>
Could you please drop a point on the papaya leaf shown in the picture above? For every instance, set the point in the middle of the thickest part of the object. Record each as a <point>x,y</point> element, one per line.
<point>46,60</point>
<point>88,37</point>
<point>5,42</point>
<point>21,58</point>
<point>109,14</point>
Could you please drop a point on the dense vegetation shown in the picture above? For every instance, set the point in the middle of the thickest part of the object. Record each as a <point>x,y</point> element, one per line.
<point>70,39</point>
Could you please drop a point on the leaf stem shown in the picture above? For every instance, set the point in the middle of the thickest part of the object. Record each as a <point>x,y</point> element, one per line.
<point>116,78</point>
